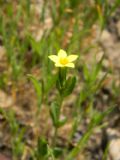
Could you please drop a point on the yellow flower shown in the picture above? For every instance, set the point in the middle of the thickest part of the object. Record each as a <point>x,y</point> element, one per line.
<point>62,60</point>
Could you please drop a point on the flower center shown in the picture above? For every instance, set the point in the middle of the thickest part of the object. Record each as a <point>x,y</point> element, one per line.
<point>63,61</point>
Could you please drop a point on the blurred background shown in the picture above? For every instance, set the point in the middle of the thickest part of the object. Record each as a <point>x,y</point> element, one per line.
<point>30,31</point>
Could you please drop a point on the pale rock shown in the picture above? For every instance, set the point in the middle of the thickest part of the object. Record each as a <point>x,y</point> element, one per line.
<point>114,144</point>
<point>118,27</point>
<point>5,100</point>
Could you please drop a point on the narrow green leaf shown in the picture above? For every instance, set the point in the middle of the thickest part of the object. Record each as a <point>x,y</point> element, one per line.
<point>41,151</point>
<point>38,89</point>
<point>62,122</point>
<point>55,113</point>
<point>69,86</point>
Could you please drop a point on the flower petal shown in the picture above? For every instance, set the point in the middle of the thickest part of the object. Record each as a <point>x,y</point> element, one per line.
<point>71,65</point>
<point>72,57</point>
<point>62,53</point>
<point>54,58</point>
<point>59,65</point>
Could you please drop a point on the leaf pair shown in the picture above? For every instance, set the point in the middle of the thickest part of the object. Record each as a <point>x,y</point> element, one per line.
<point>67,87</point>
<point>41,150</point>
<point>55,115</point>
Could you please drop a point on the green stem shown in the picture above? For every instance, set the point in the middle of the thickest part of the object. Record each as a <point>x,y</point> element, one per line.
<point>62,75</point>
<point>60,100</point>
<point>62,79</point>
<point>55,136</point>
